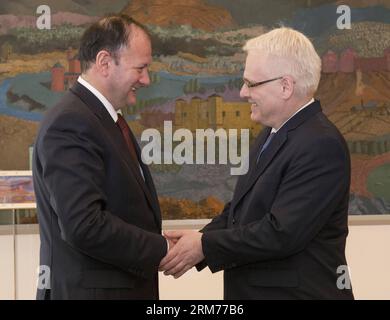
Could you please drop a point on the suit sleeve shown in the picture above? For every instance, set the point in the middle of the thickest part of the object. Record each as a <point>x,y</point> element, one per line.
<point>74,173</point>
<point>218,223</point>
<point>312,188</point>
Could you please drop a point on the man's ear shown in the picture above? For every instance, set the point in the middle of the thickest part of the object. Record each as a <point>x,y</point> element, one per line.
<point>288,84</point>
<point>103,62</point>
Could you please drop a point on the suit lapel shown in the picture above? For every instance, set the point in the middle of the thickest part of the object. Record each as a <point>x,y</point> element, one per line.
<point>257,169</point>
<point>95,105</point>
<point>280,138</point>
<point>148,182</point>
<point>242,180</point>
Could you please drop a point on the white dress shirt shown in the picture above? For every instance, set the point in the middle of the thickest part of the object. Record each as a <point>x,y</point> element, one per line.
<point>102,98</point>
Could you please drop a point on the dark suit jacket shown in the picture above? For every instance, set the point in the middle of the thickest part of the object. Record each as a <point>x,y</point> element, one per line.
<point>283,234</point>
<point>100,222</point>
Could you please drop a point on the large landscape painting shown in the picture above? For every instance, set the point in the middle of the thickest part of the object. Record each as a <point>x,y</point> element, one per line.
<point>197,65</point>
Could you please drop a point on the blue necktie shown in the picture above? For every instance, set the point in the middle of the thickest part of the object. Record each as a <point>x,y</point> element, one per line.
<point>265,145</point>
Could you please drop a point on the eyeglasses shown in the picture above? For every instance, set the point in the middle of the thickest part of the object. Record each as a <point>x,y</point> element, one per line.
<point>256,84</point>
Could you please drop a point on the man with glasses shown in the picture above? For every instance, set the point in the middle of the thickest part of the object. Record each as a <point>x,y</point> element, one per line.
<point>283,234</point>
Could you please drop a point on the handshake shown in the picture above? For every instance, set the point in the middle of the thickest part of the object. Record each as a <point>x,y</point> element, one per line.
<point>185,251</point>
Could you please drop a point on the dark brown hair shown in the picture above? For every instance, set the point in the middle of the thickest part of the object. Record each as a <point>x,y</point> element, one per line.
<point>109,33</point>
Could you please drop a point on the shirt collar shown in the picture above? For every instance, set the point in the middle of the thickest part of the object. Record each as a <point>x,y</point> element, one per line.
<point>102,99</point>
<point>300,109</point>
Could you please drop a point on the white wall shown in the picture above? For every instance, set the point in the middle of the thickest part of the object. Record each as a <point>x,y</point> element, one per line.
<point>368,257</point>
<point>27,262</point>
<point>6,267</point>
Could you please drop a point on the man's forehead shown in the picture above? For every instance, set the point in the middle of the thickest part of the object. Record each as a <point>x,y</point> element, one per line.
<point>256,58</point>
<point>135,32</point>
<point>256,63</point>
<point>251,67</point>
<point>138,40</point>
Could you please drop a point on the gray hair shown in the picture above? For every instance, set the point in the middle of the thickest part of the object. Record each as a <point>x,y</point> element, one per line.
<point>293,54</point>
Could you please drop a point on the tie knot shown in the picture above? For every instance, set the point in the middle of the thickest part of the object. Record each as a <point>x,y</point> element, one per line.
<point>126,133</point>
<point>122,122</point>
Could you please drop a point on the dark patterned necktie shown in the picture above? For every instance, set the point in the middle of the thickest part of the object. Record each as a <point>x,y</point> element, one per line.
<point>122,124</point>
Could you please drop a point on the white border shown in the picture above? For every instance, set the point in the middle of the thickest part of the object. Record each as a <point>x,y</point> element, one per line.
<point>26,205</point>
<point>16,173</point>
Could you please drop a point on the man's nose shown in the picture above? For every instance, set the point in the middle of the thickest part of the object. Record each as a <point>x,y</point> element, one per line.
<point>244,92</point>
<point>145,79</point>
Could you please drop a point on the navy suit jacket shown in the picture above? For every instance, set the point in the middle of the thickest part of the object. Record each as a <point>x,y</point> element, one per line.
<point>100,221</point>
<point>283,234</point>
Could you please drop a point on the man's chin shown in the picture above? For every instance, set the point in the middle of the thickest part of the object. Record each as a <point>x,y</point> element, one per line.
<point>255,117</point>
<point>131,102</point>
<point>131,99</point>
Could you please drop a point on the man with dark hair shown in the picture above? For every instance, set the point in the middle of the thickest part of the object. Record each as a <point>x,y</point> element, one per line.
<point>99,217</point>
<point>110,33</point>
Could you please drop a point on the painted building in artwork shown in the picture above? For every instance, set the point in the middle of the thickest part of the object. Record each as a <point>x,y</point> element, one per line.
<point>58,78</point>
<point>5,52</point>
<point>214,113</point>
<point>155,119</point>
<point>61,80</point>
<point>349,62</point>
<point>330,62</point>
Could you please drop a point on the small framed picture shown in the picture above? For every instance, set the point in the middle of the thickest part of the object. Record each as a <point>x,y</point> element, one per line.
<point>16,190</point>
